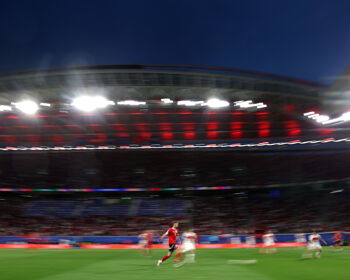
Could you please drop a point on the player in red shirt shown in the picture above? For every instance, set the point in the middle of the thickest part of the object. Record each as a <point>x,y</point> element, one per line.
<point>338,241</point>
<point>173,235</point>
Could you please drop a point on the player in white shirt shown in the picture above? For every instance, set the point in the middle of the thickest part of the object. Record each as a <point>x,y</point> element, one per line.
<point>189,245</point>
<point>314,246</point>
<point>269,243</point>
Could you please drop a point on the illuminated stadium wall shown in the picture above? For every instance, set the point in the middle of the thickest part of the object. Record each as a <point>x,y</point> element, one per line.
<point>152,104</point>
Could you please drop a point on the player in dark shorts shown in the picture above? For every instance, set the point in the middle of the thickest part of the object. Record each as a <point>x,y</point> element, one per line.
<point>173,235</point>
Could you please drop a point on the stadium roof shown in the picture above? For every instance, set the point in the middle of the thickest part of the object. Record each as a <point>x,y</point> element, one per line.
<point>155,81</point>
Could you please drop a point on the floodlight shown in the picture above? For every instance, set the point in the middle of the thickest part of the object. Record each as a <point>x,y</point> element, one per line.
<point>217,103</point>
<point>91,103</point>
<point>5,108</point>
<point>167,100</point>
<point>131,102</point>
<point>27,106</point>
<point>190,103</point>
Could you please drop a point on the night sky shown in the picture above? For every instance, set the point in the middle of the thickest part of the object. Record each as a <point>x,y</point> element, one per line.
<point>301,38</point>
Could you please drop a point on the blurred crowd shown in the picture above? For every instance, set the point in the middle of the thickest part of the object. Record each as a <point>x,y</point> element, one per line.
<point>212,214</point>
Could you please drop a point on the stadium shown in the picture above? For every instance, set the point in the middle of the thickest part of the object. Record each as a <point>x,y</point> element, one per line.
<point>94,156</point>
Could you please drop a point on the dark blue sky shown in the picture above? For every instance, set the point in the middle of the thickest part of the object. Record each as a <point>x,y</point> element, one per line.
<point>300,38</point>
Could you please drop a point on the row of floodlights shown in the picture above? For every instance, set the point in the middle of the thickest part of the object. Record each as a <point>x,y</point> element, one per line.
<point>27,106</point>
<point>92,103</point>
<point>324,119</point>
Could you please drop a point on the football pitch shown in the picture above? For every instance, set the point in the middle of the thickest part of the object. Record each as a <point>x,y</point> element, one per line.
<point>210,264</point>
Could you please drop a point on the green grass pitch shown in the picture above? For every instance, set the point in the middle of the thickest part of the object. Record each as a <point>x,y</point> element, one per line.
<point>210,264</point>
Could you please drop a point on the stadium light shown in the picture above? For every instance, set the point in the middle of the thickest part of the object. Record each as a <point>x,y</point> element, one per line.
<point>167,100</point>
<point>91,103</point>
<point>245,104</point>
<point>131,102</point>
<point>102,102</point>
<point>337,191</point>
<point>5,108</point>
<point>27,106</point>
<point>324,119</point>
<point>346,116</point>
<point>190,103</point>
<point>343,118</point>
<point>317,117</point>
<point>45,104</point>
<point>261,105</point>
<point>217,103</point>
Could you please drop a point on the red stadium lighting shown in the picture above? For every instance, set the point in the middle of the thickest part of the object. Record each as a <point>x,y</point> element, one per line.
<point>123,135</point>
<point>212,126</point>
<point>294,132</point>
<point>236,125</point>
<point>145,136</point>
<point>167,136</point>
<point>9,139</point>
<point>212,134</point>
<point>327,131</point>
<point>262,113</point>
<point>289,107</point>
<point>141,126</point>
<point>189,126</point>
<point>189,135</point>
<point>34,139</point>
<point>291,124</point>
<point>165,126</point>
<point>264,125</point>
<point>264,133</point>
<point>236,134</point>
<point>57,139</point>
<point>264,129</point>
<point>119,127</point>
<point>12,117</point>
<point>293,128</point>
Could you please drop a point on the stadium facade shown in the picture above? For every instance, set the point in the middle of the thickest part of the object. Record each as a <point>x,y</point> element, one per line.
<point>152,121</point>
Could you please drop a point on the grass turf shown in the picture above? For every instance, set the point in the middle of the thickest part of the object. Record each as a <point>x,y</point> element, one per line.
<point>210,264</point>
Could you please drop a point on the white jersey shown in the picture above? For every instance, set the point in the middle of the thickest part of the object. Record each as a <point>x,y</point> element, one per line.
<point>189,242</point>
<point>314,242</point>
<point>189,237</point>
<point>315,239</point>
<point>269,239</point>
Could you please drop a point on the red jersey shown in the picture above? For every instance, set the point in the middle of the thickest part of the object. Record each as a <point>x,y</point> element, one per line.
<point>172,234</point>
<point>337,237</point>
<point>149,238</point>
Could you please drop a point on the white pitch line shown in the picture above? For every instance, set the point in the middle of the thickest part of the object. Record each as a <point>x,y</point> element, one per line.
<point>242,261</point>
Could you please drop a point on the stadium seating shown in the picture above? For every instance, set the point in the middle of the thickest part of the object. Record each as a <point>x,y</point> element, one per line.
<point>215,213</point>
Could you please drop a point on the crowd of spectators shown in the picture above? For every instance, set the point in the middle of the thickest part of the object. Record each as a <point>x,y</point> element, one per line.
<point>213,214</point>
